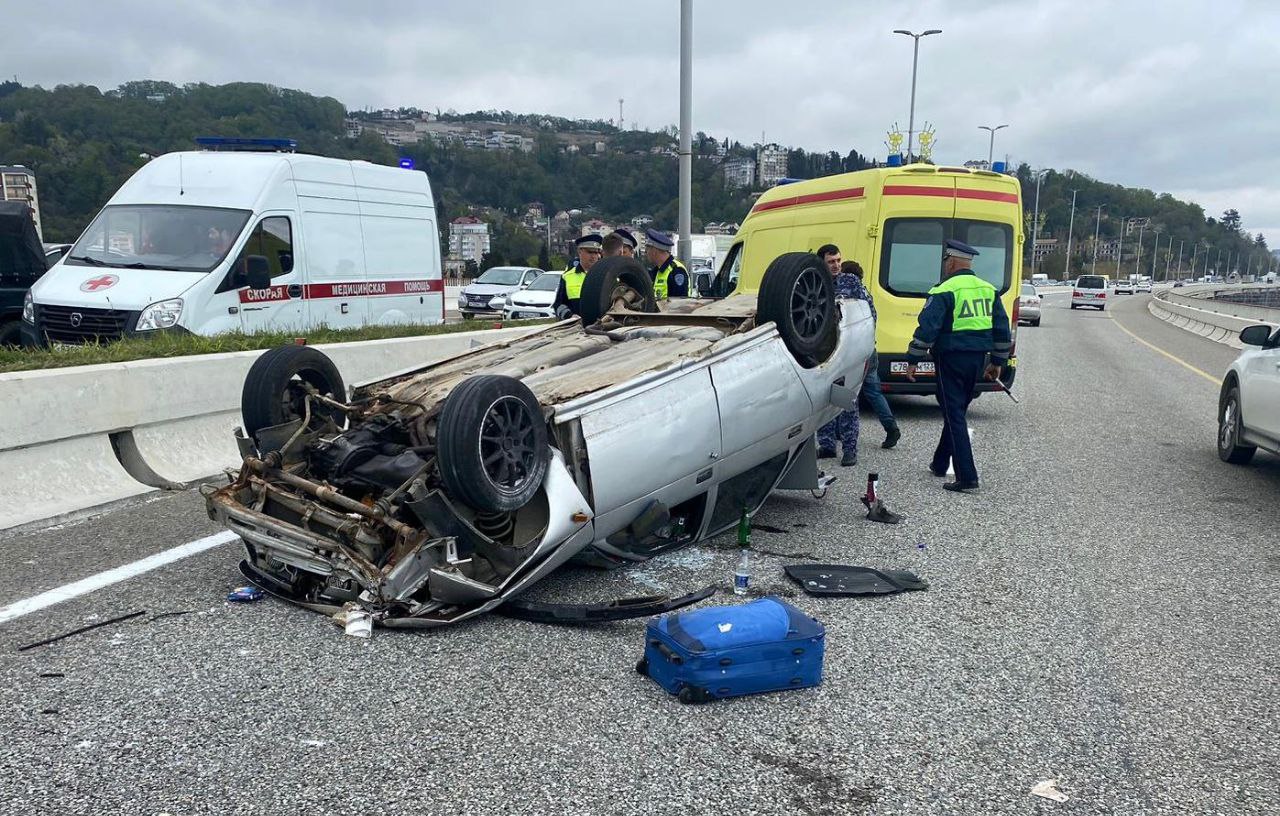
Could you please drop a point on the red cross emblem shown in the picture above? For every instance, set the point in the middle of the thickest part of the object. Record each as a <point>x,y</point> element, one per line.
<point>98,284</point>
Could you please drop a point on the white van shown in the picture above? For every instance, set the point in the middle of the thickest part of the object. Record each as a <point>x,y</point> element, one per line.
<point>211,242</point>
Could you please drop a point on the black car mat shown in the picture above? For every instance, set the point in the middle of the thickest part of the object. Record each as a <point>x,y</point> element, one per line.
<point>844,581</point>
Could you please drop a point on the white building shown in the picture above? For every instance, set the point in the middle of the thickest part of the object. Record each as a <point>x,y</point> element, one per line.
<point>739,173</point>
<point>17,183</point>
<point>771,164</point>
<point>468,238</point>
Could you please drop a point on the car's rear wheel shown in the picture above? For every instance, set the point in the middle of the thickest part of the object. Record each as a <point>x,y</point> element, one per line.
<point>492,443</point>
<point>798,296</point>
<point>1229,426</point>
<point>10,333</point>
<point>615,283</point>
<point>275,388</point>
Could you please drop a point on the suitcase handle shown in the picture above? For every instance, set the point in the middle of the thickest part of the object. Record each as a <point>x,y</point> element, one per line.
<point>666,652</point>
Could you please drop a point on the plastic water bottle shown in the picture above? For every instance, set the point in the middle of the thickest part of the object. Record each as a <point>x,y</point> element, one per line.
<point>742,576</point>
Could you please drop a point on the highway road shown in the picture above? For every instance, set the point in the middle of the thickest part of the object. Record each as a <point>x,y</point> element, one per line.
<point>1104,614</point>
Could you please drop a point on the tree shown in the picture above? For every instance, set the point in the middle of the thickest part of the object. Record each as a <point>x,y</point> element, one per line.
<point>490,260</point>
<point>544,258</point>
<point>1231,220</point>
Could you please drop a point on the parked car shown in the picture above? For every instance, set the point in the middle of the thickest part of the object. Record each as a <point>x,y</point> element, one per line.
<point>533,301</point>
<point>1144,285</point>
<point>1090,290</point>
<point>247,239</point>
<point>485,294</point>
<point>1124,286</point>
<point>435,495</point>
<point>1029,303</point>
<point>22,262</point>
<point>1249,402</point>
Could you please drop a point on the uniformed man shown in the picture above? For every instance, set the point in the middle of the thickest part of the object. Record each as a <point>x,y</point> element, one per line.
<point>570,289</point>
<point>670,278</point>
<point>629,242</point>
<point>961,323</point>
<point>612,246</point>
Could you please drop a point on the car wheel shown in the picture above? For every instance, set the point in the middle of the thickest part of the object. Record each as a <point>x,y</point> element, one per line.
<point>11,333</point>
<point>616,282</point>
<point>1073,305</point>
<point>491,443</point>
<point>467,315</point>
<point>1037,322</point>
<point>274,391</point>
<point>1229,424</point>
<point>798,296</point>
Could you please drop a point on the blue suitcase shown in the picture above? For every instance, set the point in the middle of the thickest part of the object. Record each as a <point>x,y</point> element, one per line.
<point>729,651</point>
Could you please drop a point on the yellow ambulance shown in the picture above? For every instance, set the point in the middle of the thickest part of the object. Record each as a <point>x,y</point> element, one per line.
<point>893,221</point>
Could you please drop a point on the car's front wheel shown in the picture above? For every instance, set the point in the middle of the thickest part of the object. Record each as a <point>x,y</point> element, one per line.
<point>1229,427</point>
<point>276,387</point>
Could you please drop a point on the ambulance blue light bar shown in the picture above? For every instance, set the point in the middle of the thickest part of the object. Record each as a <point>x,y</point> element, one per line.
<point>237,143</point>
<point>406,162</point>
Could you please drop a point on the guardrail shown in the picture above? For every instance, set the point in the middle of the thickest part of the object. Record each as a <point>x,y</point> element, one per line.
<point>1201,312</point>
<point>75,438</point>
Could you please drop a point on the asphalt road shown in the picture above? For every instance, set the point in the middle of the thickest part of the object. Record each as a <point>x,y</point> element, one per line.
<point>1104,614</point>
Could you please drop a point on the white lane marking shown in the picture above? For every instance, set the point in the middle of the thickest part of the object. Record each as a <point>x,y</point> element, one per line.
<point>951,468</point>
<point>112,576</point>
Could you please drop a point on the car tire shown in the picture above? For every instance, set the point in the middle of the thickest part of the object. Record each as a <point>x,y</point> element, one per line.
<point>467,315</point>
<point>1037,322</point>
<point>1073,306</point>
<point>271,395</point>
<point>613,278</point>
<point>1229,423</point>
<point>10,333</point>
<point>491,444</point>
<point>797,295</point>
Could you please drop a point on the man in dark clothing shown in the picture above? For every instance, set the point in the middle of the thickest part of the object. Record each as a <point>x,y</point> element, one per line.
<point>961,323</point>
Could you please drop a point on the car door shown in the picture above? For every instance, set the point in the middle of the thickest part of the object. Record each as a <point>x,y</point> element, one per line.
<point>281,306</point>
<point>1260,394</point>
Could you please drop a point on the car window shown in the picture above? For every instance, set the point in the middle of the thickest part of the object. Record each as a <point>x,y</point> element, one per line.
<point>1028,290</point>
<point>730,271</point>
<point>272,238</point>
<point>545,283</point>
<point>169,237</point>
<point>501,276</point>
<point>911,259</point>
<point>1091,282</point>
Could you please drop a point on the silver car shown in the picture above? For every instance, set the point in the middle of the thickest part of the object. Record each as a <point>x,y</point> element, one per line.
<point>483,296</point>
<point>1029,303</point>
<point>436,495</point>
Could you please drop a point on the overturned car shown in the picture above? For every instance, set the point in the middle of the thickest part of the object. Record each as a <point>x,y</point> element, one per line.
<point>437,494</point>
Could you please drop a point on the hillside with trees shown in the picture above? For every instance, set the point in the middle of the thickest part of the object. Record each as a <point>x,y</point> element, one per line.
<point>82,143</point>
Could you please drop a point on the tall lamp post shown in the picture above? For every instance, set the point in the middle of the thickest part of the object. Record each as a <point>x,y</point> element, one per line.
<point>1035,222</point>
<point>1155,256</point>
<point>1093,270</point>
<point>915,61</point>
<point>991,147</point>
<point>1066,269</point>
<point>685,179</point>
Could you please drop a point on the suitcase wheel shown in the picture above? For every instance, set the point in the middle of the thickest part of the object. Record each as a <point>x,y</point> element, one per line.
<point>692,695</point>
<point>643,666</point>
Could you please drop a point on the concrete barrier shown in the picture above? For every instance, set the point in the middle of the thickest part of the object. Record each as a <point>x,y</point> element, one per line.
<point>1199,313</point>
<point>76,438</point>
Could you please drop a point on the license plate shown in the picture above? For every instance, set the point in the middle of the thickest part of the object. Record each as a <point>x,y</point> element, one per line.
<point>520,315</point>
<point>901,368</point>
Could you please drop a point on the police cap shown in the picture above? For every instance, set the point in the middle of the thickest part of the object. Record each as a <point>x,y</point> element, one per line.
<point>589,241</point>
<point>958,249</point>
<point>659,239</point>
<point>626,236</point>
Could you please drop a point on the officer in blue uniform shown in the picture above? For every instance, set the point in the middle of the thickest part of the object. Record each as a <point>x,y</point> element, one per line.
<point>670,278</point>
<point>962,322</point>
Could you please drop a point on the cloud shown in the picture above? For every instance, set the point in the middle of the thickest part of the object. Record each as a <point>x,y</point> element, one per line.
<point>1169,96</point>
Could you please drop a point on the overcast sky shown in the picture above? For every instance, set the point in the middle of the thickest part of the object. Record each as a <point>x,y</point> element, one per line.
<point>1175,96</point>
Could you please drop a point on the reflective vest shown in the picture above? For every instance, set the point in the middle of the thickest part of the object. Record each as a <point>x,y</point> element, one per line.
<point>573,278</point>
<point>974,301</point>
<point>660,278</point>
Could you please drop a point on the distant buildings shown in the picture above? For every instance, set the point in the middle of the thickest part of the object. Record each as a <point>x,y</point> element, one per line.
<point>739,174</point>
<point>17,183</point>
<point>718,228</point>
<point>468,238</point>
<point>771,165</point>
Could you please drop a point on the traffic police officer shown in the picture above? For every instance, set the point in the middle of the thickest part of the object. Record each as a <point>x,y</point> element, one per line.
<point>570,289</point>
<point>961,323</point>
<point>629,242</point>
<point>670,278</point>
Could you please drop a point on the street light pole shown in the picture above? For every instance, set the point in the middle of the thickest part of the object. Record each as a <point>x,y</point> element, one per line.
<point>1071,225</point>
<point>1168,259</point>
<point>1093,270</point>
<point>686,132</point>
<point>991,148</point>
<point>1137,264</point>
<point>1155,256</point>
<point>915,61</point>
<point>1166,277</point>
<point>1035,223</point>
<point>1124,227</point>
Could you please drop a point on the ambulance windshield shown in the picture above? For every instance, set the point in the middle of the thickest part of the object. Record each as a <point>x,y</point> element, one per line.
<point>159,236</point>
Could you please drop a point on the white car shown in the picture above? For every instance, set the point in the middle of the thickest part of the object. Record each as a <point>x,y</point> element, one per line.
<point>1249,404</point>
<point>484,295</point>
<point>1144,285</point>
<point>1090,290</point>
<point>1124,287</point>
<point>1029,303</point>
<point>534,301</point>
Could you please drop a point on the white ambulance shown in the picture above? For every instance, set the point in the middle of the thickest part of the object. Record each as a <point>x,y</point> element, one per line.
<point>251,239</point>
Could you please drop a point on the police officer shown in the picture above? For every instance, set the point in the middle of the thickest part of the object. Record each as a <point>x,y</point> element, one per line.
<point>670,278</point>
<point>961,323</point>
<point>570,289</point>
<point>629,242</point>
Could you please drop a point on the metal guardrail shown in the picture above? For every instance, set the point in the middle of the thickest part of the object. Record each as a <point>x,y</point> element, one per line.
<point>1264,296</point>
<point>1199,312</point>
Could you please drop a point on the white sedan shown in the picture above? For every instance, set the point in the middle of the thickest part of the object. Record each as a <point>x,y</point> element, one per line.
<point>1249,403</point>
<point>533,301</point>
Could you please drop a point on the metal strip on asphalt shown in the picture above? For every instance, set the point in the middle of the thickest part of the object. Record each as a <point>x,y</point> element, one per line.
<point>112,576</point>
<point>1175,358</point>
